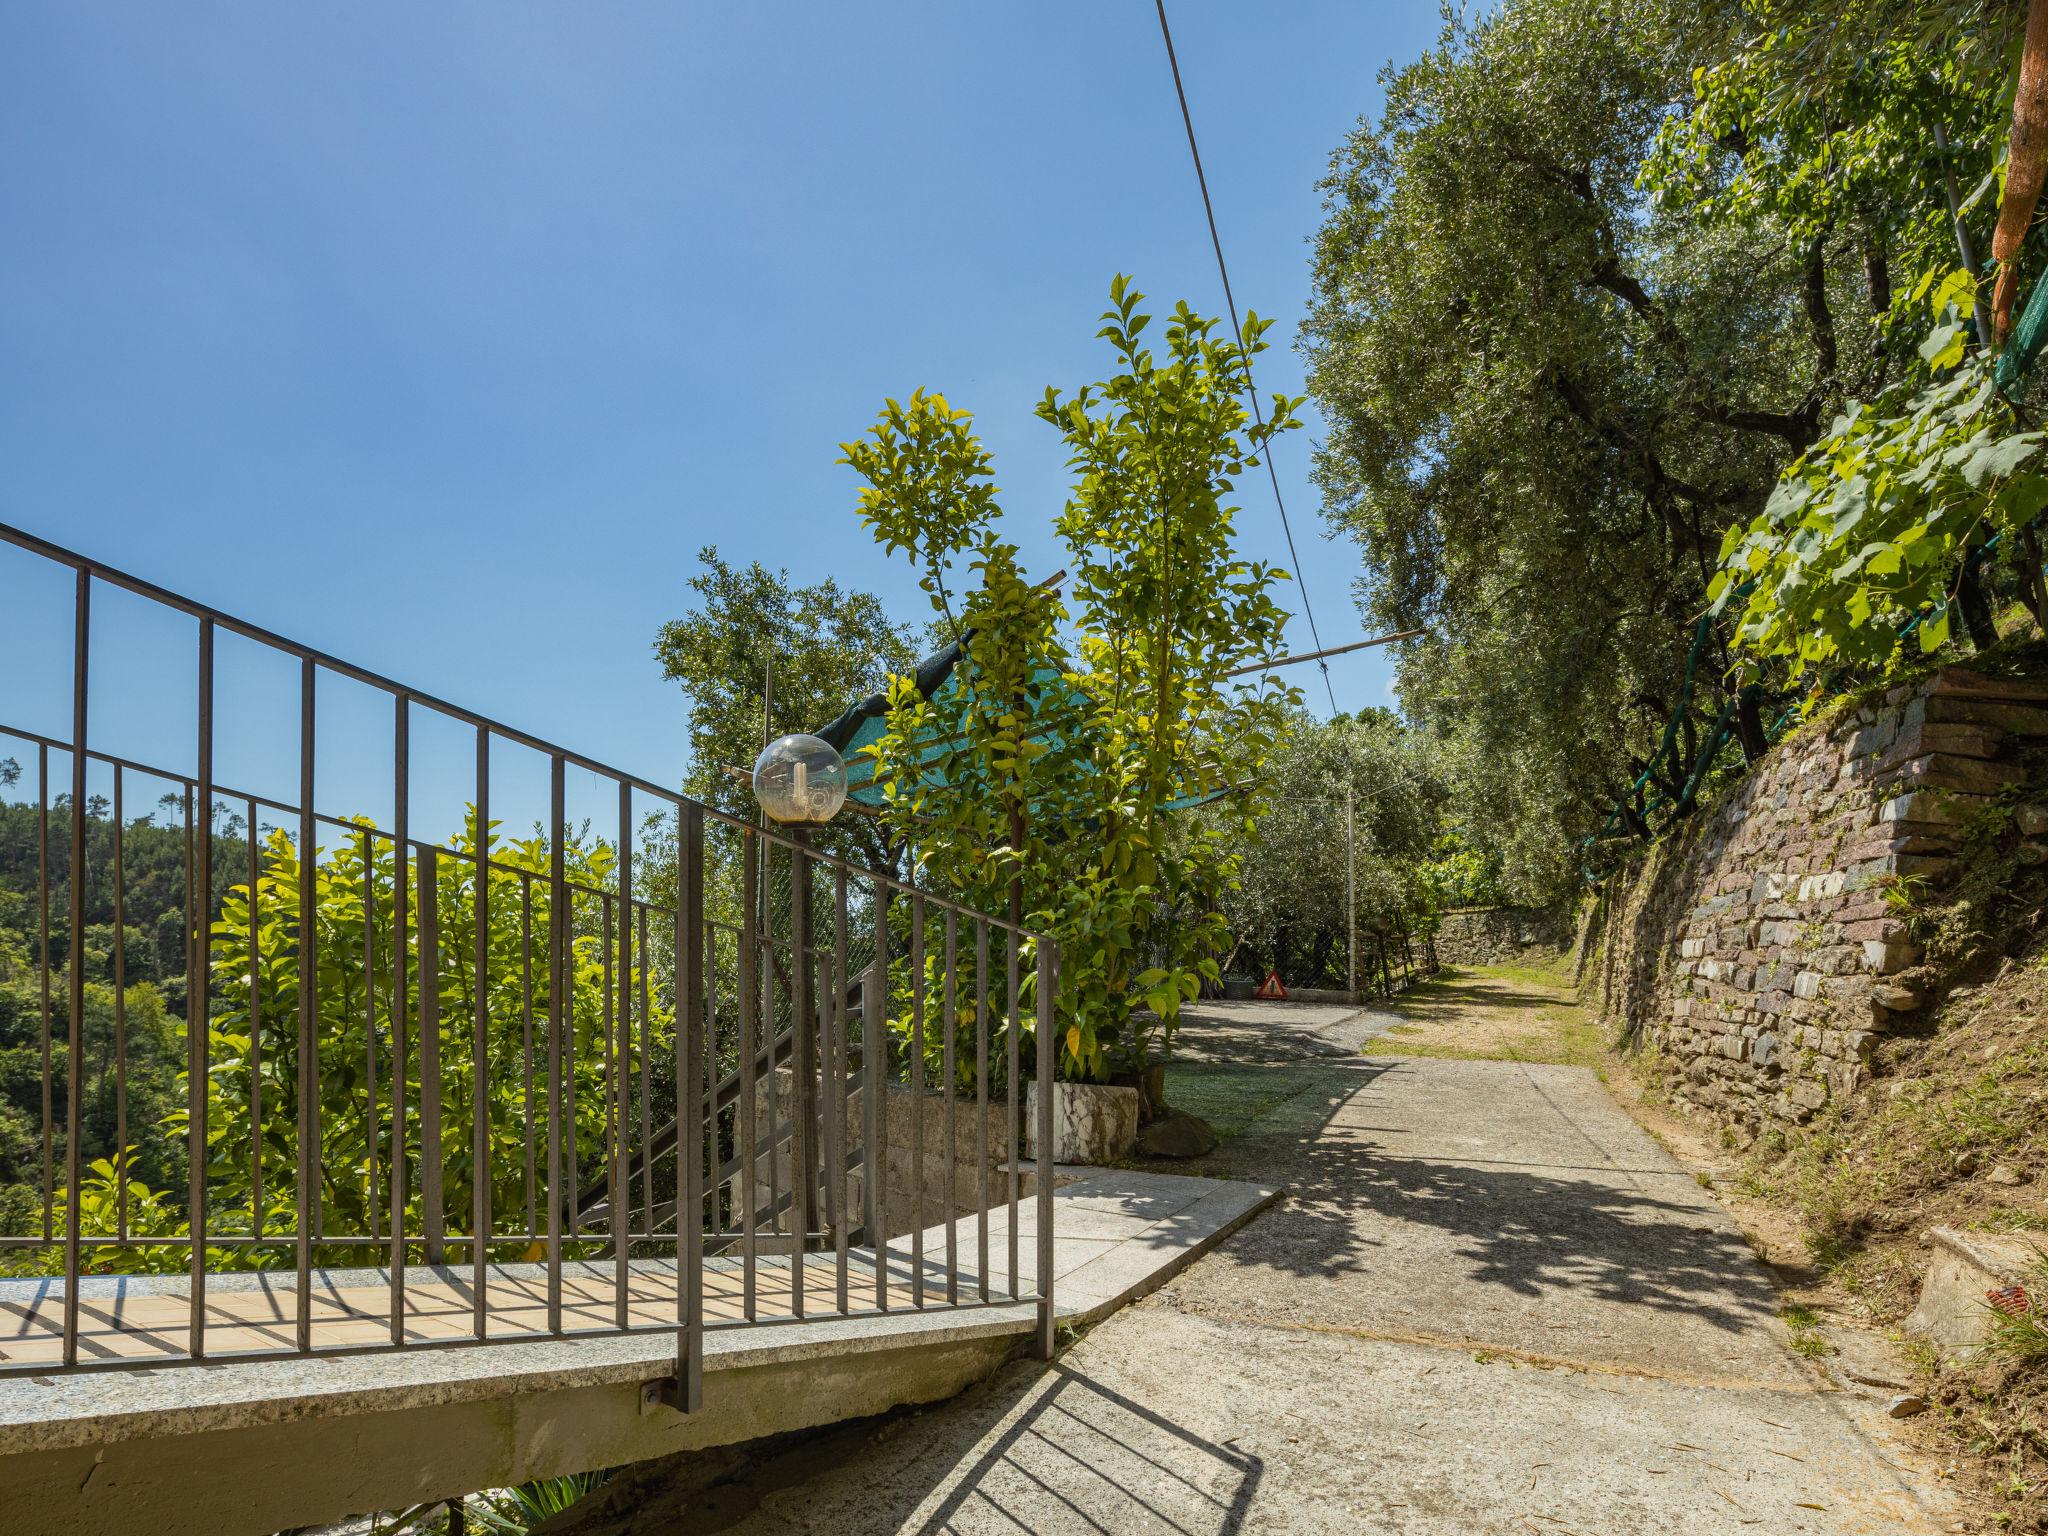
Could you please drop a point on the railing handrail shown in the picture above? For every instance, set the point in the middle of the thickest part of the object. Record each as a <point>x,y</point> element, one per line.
<point>99,570</point>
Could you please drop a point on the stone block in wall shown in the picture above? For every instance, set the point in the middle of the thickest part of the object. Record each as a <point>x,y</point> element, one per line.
<point>1882,957</point>
<point>1960,775</point>
<point>2015,719</point>
<point>1822,887</point>
<point>1928,808</point>
<point>1961,682</point>
<point>1953,739</point>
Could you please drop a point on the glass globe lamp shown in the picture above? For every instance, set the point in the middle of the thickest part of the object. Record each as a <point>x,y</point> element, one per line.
<point>800,781</point>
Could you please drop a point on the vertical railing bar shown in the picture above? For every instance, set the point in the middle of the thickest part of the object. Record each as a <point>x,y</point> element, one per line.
<point>621,1034</point>
<point>835,1101</point>
<point>647,1086</point>
<point>255,1029</point>
<point>480,1165</point>
<point>74,1034</point>
<point>558,1002</point>
<point>750,1009</point>
<point>1014,1090</point>
<point>690,1013</point>
<point>120,1022</point>
<point>713,1195</point>
<point>765,1031</point>
<point>401,905</point>
<point>526,1039</point>
<point>949,1015</point>
<point>874,1107</point>
<point>433,1208</point>
<point>49,1182</point>
<point>802,1023</point>
<point>370,1032</point>
<point>622,1200</point>
<point>198,932</point>
<point>572,1137</point>
<point>981,1106</point>
<point>309,1051</point>
<point>917,1099</point>
<point>1048,989</point>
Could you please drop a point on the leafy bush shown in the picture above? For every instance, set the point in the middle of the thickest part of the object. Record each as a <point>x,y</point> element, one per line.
<point>1868,531</point>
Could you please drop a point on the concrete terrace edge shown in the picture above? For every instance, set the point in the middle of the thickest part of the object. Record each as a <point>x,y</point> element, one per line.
<point>1257,1197</point>
<point>64,1412</point>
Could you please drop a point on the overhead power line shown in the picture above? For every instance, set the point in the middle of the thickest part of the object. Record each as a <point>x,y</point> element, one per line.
<point>1335,650</point>
<point>1223,270</point>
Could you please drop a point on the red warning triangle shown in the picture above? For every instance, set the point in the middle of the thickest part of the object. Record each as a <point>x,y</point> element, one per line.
<point>1271,989</point>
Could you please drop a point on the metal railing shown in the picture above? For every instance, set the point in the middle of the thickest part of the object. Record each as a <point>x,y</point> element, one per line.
<point>639,1087</point>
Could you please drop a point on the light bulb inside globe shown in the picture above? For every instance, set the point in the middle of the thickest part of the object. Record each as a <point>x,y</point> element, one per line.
<point>800,781</point>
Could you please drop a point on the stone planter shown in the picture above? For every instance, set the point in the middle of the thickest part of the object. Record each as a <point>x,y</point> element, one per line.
<point>1091,1122</point>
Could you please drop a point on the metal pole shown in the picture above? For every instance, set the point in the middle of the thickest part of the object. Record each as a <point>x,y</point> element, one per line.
<point>690,1025</point>
<point>1048,985</point>
<point>198,935</point>
<point>308,1053</point>
<point>803,1064</point>
<point>1964,248</point>
<point>1350,896</point>
<point>74,1053</point>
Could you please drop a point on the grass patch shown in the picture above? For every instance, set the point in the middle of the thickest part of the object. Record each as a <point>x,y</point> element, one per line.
<point>1803,1323</point>
<point>1496,1013</point>
<point>1233,1097</point>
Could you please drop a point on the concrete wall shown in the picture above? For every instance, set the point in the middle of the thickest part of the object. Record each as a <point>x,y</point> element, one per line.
<point>280,1473</point>
<point>1501,935</point>
<point>1756,946</point>
<point>951,1168</point>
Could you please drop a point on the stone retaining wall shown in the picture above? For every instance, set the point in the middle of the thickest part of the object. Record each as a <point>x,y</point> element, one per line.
<point>1761,947</point>
<point>1496,935</point>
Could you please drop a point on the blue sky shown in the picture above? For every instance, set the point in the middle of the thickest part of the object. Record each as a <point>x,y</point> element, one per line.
<point>441,337</point>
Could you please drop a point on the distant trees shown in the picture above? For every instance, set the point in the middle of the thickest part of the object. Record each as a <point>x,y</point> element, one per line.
<point>1410,825</point>
<point>831,646</point>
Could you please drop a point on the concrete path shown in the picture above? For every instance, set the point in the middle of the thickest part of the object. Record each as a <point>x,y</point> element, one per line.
<point>1489,1303</point>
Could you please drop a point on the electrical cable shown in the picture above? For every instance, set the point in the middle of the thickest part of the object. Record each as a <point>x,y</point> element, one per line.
<point>1223,269</point>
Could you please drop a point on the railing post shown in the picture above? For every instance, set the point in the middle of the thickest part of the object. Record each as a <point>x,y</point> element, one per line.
<point>745,1121</point>
<point>803,1066</point>
<point>307,1192</point>
<point>199,934</point>
<point>401,918</point>
<point>433,1216</point>
<point>74,1039</point>
<point>690,1009</point>
<point>1048,1063</point>
<point>560,999</point>
<point>481,1168</point>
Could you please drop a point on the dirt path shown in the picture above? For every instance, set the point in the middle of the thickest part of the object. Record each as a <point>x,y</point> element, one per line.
<point>1489,1303</point>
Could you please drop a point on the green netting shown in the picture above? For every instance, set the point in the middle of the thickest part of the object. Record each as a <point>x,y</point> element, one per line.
<point>2028,336</point>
